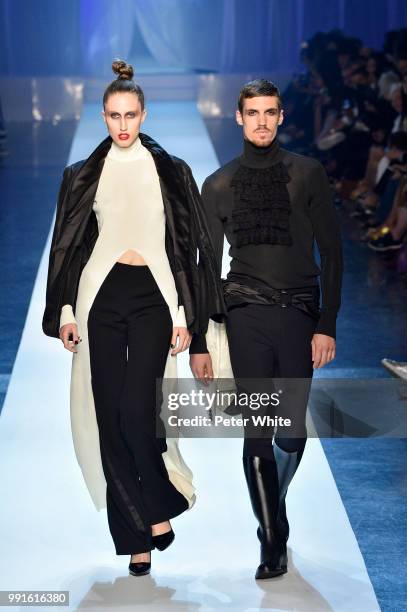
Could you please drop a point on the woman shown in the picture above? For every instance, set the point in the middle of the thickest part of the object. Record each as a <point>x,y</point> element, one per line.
<point>123,286</point>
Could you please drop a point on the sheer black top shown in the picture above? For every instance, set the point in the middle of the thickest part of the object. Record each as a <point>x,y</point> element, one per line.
<point>273,206</point>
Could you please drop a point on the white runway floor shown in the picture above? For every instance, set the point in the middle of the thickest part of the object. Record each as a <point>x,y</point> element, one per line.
<point>52,537</point>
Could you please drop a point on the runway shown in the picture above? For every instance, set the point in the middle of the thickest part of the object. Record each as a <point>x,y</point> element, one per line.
<point>54,539</point>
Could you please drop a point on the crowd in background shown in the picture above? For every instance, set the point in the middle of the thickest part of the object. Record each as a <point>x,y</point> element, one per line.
<point>349,109</point>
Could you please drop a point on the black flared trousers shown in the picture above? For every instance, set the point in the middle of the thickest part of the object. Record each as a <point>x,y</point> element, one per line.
<point>268,342</point>
<point>129,329</point>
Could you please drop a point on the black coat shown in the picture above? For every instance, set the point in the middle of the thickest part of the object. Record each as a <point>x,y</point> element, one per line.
<point>76,230</point>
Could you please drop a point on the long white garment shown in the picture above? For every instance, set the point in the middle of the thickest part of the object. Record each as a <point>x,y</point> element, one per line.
<point>130,214</point>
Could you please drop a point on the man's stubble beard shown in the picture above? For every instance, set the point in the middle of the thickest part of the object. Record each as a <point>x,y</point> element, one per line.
<point>263,143</point>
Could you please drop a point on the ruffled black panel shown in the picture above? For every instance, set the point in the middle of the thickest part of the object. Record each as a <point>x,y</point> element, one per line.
<point>261,205</point>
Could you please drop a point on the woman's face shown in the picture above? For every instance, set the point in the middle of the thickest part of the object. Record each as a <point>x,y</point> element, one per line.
<point>123,116</point>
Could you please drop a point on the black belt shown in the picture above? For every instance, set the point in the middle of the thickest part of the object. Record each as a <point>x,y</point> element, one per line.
<point>239,290</point>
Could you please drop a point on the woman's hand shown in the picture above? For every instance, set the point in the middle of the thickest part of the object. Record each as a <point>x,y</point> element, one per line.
<point>184,339</point>
<point>65,331</point>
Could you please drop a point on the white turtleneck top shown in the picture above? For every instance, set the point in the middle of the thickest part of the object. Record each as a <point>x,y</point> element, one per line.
<point>130,214</point>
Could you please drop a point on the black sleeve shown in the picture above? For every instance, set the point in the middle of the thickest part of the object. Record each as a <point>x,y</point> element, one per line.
<point>215,223</point>
<point>74,265</point>
<point>56,257</point>
<point>328,238</point>
<point>216,236</point>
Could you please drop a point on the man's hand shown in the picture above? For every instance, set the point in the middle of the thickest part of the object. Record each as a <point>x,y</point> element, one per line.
<point>323,350</point>
<point>65,331</point>
<point>184,339</point>
<point>201,367</point>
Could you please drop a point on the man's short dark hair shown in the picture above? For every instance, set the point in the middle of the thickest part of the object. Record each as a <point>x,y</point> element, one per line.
<point>256,88</point>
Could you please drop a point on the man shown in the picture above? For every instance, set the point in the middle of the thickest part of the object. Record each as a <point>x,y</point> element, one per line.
<point>271,204</point>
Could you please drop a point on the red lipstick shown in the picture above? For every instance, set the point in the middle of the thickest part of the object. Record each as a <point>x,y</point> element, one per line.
<point>123,136</point>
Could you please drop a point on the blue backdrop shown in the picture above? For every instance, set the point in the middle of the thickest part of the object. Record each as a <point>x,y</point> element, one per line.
<point>80,37</point>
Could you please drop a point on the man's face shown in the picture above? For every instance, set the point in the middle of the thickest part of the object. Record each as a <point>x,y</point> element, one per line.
<point>260,119</point>
<point>123,116</point>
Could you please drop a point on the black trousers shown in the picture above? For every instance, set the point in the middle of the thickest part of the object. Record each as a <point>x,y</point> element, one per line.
<point>265,342</point>
<point>130,328</point>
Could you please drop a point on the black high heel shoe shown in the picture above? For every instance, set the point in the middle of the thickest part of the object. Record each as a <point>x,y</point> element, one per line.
<point>163,540</point>
<point>140,568</point>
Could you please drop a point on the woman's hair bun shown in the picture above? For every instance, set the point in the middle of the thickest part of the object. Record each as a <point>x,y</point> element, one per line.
<point>123,70</point>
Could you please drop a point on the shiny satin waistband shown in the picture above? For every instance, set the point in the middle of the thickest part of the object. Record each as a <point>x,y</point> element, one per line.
<point>239,290</point>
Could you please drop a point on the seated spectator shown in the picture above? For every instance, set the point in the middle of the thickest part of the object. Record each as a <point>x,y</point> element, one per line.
<point>390,234</point>
<point>393,158</point>
<point>377,128</point>
<point>349,109</point>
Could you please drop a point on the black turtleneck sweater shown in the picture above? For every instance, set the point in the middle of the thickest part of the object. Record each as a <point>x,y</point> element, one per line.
<point>290,262</point>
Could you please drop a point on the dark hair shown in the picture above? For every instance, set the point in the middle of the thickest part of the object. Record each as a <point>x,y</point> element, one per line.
<point>350,46</point>
<point>374,121</point>
<point>328,69</point>
<point>389,41</point>
<point>124,82</point>
<point>256,88</point>
<point>398,140</point>
<point>381,62</point>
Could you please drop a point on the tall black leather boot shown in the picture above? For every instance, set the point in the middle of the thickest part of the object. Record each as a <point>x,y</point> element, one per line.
<point>262,482</point>
<point>287,464</point>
